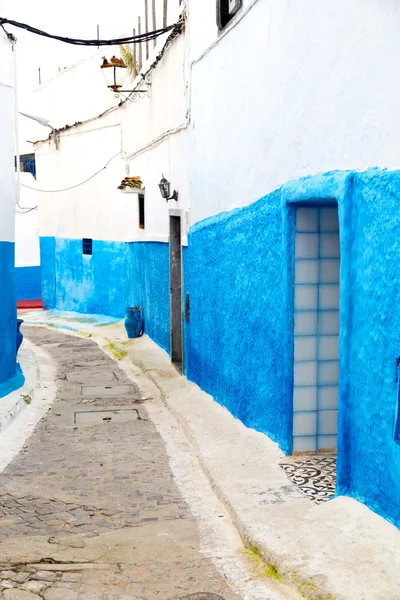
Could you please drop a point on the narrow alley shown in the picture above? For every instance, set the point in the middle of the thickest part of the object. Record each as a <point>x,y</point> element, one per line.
<point>199,293</point>
<point>89,508</point>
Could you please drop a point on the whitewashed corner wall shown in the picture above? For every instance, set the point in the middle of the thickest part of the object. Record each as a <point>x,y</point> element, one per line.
<point>125,264</point>
<point>289,90</point>
<point>7,121</point>
<point>27,252</point>
<point>151,136</point>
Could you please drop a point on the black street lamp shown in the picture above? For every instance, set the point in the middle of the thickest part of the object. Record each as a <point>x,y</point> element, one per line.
<point>165,189</point>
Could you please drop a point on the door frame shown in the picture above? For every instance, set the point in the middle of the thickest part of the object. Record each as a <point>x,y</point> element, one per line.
<point>313,205</point>
<point>176,288</point>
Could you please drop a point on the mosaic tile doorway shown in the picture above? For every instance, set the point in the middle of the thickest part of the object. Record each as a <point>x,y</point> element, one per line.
<point>316,329</point>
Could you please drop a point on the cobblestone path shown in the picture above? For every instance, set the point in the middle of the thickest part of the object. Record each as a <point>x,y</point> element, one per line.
<point>89,508</point>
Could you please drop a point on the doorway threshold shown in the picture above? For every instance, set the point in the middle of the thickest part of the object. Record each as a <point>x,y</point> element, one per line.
<point>314,474</point>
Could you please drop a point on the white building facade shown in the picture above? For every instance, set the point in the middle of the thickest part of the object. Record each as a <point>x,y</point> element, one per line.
<point>104,249</point>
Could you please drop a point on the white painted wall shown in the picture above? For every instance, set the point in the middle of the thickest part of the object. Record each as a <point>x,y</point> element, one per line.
<point>151,135</point>
<point>292,88</point>
<point>27,251</point>
<point>7,112</point>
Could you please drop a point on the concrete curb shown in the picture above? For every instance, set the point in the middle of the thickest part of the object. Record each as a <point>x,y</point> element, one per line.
<point>28,404</point>
<point>12,404</point>
<point>338,550</point>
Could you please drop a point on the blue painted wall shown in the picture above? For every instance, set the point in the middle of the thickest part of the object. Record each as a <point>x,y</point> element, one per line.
<point>48,270</point>
<point>8,320</point>
<point>28,283</point>
<point>369,458</point>
<point>239,342</point>
<point>235,342</point>
<point>115,276</point>
<point>148,287</point>
<point>90,284</point>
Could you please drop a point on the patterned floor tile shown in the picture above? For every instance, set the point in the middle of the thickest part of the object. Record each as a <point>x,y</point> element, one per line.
<point>314,475</point>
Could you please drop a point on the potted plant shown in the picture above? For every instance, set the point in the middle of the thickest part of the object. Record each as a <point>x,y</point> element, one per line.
<point>131,182</point>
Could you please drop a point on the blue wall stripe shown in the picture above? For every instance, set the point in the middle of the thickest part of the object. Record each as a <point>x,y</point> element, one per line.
<point>8,314</point>
<point>28,284</point>
<point>116,276</point>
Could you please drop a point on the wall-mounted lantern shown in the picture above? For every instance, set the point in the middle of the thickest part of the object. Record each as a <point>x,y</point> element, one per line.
<point>165,189</point>
<point>114,72</point>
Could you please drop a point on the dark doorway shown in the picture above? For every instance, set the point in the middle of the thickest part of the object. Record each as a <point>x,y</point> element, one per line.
<point>175,277</point>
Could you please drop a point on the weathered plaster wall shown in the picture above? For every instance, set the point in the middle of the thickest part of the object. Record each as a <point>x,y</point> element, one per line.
<point>239,342</point>
<point>8,372</point>
<point>235,341</point>
<point>7,318</point>
<point>90,284</point>
<point>117,275</point>
<point>148,287</point>
<point>369,462</point>
<point>48,270</point>
<point>28,283</point>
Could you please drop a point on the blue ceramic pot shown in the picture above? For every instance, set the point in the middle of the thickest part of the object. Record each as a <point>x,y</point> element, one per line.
<point>134,324</point>
<point>20,337</point>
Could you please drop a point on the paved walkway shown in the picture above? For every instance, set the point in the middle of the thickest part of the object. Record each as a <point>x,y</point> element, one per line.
<point>89,508</point>
<point>316,549</point>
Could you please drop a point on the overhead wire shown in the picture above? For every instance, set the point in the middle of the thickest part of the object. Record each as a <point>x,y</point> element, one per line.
<point>175,29</point>
<point>132,39</point>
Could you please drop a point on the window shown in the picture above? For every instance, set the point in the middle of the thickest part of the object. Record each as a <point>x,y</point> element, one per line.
<point>87,246</point>
<point>226,9</point>
<point>316,329</point>
<point>141,210</point>
<point>27,164</point>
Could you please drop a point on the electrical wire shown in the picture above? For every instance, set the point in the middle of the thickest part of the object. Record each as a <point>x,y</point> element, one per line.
<point>28,210</point>
<point>72,186</point>
<point>133,39</point>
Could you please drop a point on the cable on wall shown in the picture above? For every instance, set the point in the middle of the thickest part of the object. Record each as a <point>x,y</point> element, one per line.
<point>28,210</point>
<point>73,186</point>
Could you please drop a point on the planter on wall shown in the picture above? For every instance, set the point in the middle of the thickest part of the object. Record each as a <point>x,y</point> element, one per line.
<point>131,190</point>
